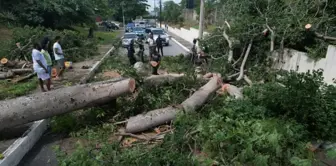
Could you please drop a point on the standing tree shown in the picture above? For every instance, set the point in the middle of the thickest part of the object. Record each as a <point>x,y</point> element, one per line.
<point>172,12</point>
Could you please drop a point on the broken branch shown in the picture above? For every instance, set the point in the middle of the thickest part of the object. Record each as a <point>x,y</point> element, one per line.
<point>241,75</point>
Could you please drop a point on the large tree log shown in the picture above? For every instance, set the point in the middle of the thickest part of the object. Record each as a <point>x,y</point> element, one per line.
<point>160,79</point>
<point>6,75</point>
<point>21,71</point>
<point>44,105</point>
<point>24,78</point>
<point>157,117</point>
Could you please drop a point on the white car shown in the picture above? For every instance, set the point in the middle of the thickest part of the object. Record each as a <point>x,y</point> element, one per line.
<point>126,39</point>
<point>141,24</point>
<point>164,36</point>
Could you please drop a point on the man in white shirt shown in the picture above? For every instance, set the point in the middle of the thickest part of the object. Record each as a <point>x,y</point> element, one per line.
<point>40,67</point>
<point>151,45</point>
<point>59,56</point>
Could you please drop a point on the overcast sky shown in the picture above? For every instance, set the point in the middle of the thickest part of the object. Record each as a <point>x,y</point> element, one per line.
<point>151,3</point>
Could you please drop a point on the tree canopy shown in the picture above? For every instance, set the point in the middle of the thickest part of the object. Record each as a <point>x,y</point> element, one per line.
<point>283,22</point>
<point>60,13</point>
<point>172,12</point>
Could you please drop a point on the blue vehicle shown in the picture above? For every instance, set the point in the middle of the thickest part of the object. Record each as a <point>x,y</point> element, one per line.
<point>140,32</point>
<point>129,27</point>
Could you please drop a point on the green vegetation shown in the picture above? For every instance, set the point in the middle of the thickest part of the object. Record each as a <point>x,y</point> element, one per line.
<point>282,21</point>
<point>101,36</point>
<point>10,90</point>
<point>75,44</point>
<point>272,125</point>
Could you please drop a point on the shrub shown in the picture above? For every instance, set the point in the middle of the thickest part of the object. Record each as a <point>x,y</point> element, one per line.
<point>304,97</point>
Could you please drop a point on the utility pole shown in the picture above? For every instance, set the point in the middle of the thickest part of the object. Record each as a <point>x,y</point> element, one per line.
<point>122,8</point>
<point>201,20</point>
<point>155,12</point>
<point>160,13</point>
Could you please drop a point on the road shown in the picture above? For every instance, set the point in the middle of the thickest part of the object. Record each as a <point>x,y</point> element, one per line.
<point>172,50</point>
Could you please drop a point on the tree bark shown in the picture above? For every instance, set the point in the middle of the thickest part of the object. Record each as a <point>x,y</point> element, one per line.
<point>230,46</point>
<point>45,105</point>
<point>160,79</point>
<point>24,78</point>
<point>248,80</point>
<point>241,75</point>
<point>21,71</point>
<point>6,75</point>
<point>157,117</point>
<point>6,62</point>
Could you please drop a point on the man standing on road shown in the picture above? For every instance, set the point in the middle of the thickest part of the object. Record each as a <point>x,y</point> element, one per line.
<point>159,45</point>
<point>151,45</point>
<point>40,67</point>
<point>59,56</point>
<point>130,53</point>
<point>141,49</point>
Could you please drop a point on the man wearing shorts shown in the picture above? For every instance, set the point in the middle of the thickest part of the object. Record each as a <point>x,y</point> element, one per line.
<point>59,56</point>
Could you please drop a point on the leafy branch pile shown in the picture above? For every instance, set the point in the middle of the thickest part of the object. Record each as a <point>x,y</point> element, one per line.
<point>270,25</point>
<point>272,125</point>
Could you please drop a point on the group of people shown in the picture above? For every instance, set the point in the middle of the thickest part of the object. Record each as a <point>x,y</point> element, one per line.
<point>155,47</point>
<point>42,62</point>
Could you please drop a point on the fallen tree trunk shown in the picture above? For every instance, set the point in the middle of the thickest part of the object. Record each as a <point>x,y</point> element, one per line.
<point>157,117</point>
<point>21,71</point>
<point>5,75</point>
<point>24,78</point>
<point>44,105</point>
<point>160,79</point>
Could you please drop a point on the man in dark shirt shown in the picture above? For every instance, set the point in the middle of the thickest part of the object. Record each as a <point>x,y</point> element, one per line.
<point>130,53</point>
<point>159,45</point>
<point>141,49</point>
<point>155,62</point>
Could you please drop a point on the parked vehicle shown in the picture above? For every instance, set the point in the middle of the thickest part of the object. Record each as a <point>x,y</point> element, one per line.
<point>107,26</point>
<point>147,30</point>
<point>141,24</point>
<point>114,26</point>
<point>129,27</point>
<point>159,31</point>
<point>117,24</point>
<point>140,32</point>
<point>126,39</point>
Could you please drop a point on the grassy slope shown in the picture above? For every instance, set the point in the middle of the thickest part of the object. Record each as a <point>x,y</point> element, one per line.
<point>103,37</point>
<point>10,90</point>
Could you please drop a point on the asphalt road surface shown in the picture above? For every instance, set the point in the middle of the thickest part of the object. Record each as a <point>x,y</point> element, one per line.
<point>172,50</point>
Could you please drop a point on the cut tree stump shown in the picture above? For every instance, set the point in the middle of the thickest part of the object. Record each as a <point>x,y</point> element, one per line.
<point>161,116</point>
<point>7,62</point>
<point>38,106</point>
